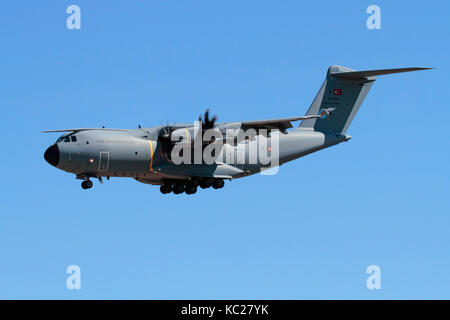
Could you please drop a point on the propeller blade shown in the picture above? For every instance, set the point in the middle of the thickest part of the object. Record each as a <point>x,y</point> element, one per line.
<point>213,120</point>
<point>207,123</point>
<point>164,138</point>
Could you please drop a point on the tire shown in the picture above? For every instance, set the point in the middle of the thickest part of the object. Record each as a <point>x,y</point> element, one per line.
<point>205,184</point>
<point>178,188</point>
<point>217,184</point>
<point>191,190</point>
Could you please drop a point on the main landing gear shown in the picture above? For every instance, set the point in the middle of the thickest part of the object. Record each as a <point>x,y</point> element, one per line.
<point>190,187</point>
<point>218,184</point>
<point>87,184</point>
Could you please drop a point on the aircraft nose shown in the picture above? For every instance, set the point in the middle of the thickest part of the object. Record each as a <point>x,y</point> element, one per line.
<point>51,155</point>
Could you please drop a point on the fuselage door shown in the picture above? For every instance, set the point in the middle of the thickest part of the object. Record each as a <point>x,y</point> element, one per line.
<point>104,161</point>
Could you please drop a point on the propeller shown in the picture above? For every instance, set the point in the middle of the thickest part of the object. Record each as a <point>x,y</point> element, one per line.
<point>165,140</point>
<point>206,122</point>
<point>165,134</point>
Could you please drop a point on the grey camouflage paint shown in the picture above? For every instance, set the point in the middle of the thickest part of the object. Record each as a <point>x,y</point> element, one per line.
<point>136,153</point>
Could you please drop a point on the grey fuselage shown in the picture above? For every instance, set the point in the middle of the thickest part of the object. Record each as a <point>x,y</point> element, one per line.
<point>146,153</point>
<point>137,153</point>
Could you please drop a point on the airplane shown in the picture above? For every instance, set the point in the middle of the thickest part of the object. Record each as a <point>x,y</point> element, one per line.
<point>147,154</point>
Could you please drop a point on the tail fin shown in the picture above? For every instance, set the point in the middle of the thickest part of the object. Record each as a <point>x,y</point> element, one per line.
<point>344,91</point>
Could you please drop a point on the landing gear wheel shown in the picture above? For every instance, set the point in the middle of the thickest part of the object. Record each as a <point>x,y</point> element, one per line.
<point>178,188</point>
<point>190,189</point>
<point>87,184</point>
<point>205,184</point>
<point>166,188</point>
<point>218,184</point>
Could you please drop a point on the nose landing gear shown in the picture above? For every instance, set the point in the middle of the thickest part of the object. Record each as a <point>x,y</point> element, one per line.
<point>87,184</point>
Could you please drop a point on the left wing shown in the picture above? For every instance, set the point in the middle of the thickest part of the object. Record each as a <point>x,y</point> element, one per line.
<point>81,129</point>
<point>279,124</point>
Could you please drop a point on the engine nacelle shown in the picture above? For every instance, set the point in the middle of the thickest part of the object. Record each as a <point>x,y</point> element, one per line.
<point>191,134</point>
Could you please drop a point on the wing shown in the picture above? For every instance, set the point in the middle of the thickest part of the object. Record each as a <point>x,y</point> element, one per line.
<point>277,124</point>
<point>81,129</point>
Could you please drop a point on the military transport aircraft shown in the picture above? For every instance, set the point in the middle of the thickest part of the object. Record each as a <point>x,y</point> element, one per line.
<point>152,155</point>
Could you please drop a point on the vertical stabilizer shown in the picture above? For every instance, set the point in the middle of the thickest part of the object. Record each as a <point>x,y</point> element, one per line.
<point>343,90</point>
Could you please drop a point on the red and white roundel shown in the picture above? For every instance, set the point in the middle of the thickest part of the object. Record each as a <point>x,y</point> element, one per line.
<point>269,149</point>
<point>337,92</point>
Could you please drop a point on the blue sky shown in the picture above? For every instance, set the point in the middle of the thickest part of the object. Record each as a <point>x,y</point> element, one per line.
<point>308,232</point>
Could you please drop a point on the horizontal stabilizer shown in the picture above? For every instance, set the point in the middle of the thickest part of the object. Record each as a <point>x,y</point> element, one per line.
<point>372,73</point>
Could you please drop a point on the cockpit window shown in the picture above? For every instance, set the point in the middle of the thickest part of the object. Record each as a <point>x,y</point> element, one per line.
<point>67,139</point>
